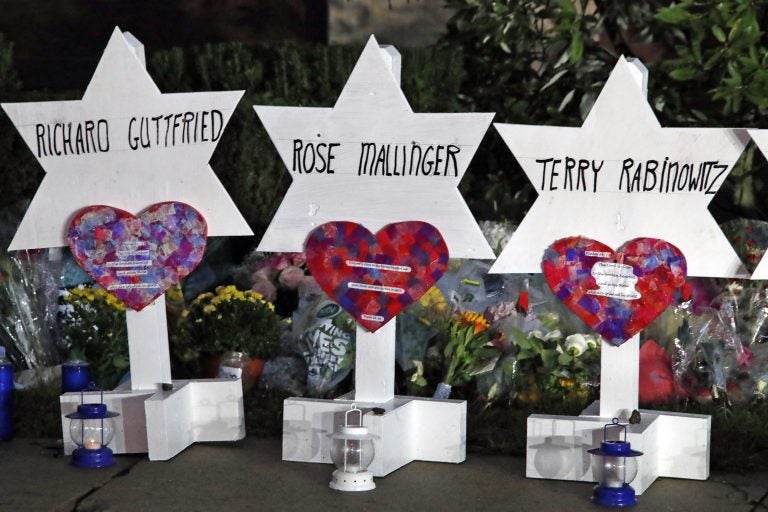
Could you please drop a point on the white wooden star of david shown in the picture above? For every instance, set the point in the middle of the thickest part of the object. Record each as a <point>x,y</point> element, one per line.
<point>124,144</point>
<point>621,176</point>
<point>370,159</point>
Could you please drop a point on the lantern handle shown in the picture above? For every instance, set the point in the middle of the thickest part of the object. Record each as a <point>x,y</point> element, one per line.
<point>352,410</point>
<point>92,387</point>
<point>614,423</point>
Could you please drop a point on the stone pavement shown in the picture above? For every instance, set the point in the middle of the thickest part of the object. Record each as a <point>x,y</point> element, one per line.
<point>249,476</point>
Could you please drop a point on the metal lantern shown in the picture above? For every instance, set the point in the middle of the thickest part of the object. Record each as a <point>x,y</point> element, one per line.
<point>614,465</point>
<point>352,452</point>
<point>91,429</point>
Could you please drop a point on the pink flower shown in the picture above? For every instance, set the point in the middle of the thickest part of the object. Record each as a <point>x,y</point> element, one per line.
<point>265,287</point>
<point>745,358</point>
<point>280,260</point>
<point>657,381</point>
<point>298,259</point>
<point>290,277</point>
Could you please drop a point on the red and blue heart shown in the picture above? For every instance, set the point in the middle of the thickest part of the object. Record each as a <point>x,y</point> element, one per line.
<point>137,258</point>
<point>374,277</point>
<point>623,307</point>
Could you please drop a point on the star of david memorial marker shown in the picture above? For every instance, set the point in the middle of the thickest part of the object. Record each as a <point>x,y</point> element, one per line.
<point>621,179</point>
<point>367,165</point>
<point>129,146</point>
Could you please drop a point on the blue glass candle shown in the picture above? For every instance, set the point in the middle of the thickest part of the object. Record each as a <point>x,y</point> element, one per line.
<point>6,397</point>
<point>75,376</point>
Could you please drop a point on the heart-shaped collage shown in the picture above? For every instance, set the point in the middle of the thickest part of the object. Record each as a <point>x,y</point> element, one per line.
<point>374,277</point>
<point>618,293</point>
<point>137,258</point>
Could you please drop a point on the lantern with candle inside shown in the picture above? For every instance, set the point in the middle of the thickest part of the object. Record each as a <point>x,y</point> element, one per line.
<point>614,465</point>
<point>352,452</point>
<point>91,428</point>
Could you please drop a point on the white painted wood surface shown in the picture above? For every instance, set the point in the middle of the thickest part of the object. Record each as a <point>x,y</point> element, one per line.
<point>410,429</point>
<point>375,363</point>
<point>621,125</point>
<point>674,445</point>
<point>619,378</point>
<point>148,346</point>
<point>163,423</point>
<point>761,140</point>
<point>113,172</point>
<point>372,109</point>
<point>126,178</point>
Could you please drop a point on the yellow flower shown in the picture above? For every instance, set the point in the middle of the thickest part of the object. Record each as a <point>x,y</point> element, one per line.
<point>209,308</point>
<point>475,319</point>
<point>433,299</point>
<point>185,313</point>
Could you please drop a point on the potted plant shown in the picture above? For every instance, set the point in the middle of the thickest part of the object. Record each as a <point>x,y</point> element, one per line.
<point>229,321</point>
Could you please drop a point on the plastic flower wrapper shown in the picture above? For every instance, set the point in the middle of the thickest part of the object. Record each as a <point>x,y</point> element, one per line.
<point>416,326</point>
<point>29,306</point>
<point>717,357</point>
<point>541,362</point>
<point>497,234</point>
<point>464,285</point>
<point>466,353</point>
<point>271,274</point>
<point>324,336</point>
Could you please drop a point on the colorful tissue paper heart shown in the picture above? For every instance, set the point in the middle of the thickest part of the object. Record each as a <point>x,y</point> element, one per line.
<point>375,277</point>
<point>616,293</point>
<point>137,258</point>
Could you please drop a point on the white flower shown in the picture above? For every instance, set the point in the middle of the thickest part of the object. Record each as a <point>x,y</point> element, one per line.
<point>545,337</point>
<point>576,344</point>
<point>592,341</point>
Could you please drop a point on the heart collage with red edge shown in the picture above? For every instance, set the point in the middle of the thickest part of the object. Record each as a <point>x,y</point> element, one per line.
<point>616,293</point>
<point>137,258</point>
<point>374,277</point>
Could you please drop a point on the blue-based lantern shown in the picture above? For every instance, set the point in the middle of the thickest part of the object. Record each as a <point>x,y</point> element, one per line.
<point>614,465</point>
<point>91,429</point>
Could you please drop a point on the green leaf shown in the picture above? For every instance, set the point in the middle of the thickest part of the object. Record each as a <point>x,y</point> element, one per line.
<point>120,362</point>
<point>548,358</point>
<point>564,358</point>
<point>576,50</point>
<point>554,79</point>
<point>674,15</point>
<point>683,73</point>
<point>505,47</point>
<point>566,100</point>
<point>718,33</point>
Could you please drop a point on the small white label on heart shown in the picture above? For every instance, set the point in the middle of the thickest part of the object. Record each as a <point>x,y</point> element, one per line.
<point>372,318</point>
<point>598,254</point>
<point>378,266</point>
<point>376,288</point>
<point>133,286</point>
<point>615,280</point>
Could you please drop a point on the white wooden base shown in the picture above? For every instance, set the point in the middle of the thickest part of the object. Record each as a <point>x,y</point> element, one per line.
<point>410,429</point>
<point>163,423</point>
<point>674,445</point>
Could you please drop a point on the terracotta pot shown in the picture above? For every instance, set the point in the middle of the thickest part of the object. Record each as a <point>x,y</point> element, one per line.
<point>256,366</point>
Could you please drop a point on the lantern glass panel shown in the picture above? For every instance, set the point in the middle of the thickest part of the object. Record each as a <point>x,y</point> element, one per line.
<point>352,455</point>
<point>614,471</point>
<point>92,433</point>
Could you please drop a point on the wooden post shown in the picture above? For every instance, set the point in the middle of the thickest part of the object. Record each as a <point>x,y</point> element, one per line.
<point>148,346</point>
<point>619,378</point>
